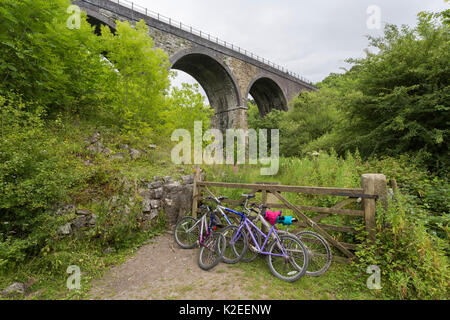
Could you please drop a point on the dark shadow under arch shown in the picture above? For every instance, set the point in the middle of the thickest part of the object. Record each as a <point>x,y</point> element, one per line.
<point>216,80</point>
<point>267,95</point>
<point>97,20</point>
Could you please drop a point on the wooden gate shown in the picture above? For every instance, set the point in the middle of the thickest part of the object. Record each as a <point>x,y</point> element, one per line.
<point>373,187</point>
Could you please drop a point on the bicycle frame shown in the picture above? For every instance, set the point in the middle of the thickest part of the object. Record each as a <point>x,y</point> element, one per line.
<point>222,210</point>
<point>207,227</point>
<point>245,222</point>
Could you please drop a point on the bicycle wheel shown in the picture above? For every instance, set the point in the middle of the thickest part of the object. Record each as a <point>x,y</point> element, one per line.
<point>236,249</point>
<point>252,251</point>
<point>187,232</point>
<point>292,267</point>
<point>319,252</point>
<point>211,251</point>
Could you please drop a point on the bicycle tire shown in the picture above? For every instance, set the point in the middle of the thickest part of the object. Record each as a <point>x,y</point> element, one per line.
<point>251,254</point>
<point>234,251</point>
<point>211,251</point>
<point>186,240</point>
<point>297,271</point>
<point>320,256</point>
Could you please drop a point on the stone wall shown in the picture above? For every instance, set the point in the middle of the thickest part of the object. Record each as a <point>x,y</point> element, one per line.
<point>171,197</point>
<point>160,196</point>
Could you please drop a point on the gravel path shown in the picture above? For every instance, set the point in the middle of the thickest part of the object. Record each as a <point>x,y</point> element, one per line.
<point>161,270</point>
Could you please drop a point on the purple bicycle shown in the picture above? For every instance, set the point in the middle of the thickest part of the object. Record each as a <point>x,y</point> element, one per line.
<point>287,256</point>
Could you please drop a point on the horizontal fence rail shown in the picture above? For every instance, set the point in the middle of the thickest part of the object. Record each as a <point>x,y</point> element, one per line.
<point>177,24</point>
<point>344,192</point>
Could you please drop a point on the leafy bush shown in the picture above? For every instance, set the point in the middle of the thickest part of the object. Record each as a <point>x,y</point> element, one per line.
<point>412,262</point>
<point>394,101</point>
<point>272,120</point>
<point>35,173</point>
<point>185,105</point>
<point>45,61</point>
<point>426,193</point>
<point>141,78</point>
<point>403,106</point>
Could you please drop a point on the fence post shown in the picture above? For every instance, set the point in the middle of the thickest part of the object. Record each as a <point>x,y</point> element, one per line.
<point>373,184</point>
<point>196,193</point>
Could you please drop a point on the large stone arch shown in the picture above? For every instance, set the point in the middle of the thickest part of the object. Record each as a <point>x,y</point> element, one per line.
<point>216,79</point>
<point>228,65</point>
<point>268,94</point>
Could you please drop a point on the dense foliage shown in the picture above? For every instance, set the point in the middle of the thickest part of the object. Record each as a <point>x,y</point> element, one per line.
<point>59,82</point>
<point>412,259</point>
<point>391,110</point>
<point>394,101</point>
<point>120,77</point>
<point>413,264</point>
<point>46,62</point>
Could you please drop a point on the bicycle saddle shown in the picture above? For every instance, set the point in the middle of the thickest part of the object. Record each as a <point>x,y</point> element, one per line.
<point>248,196</point>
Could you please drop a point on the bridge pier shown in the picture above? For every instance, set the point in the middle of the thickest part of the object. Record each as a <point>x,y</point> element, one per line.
<point>235,118</point>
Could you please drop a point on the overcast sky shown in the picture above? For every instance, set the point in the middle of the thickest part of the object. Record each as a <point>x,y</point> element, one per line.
<point>312,38</point>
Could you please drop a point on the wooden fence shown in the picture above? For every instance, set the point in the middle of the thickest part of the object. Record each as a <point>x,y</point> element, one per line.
<point>373,187</point>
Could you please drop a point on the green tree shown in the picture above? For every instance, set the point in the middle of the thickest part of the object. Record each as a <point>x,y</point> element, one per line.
<point>313,115</point>
<point>185,105</point>
<point>271,120</point>
<point>141,79</point>
<point>403,106</point>
<point>44,61</point>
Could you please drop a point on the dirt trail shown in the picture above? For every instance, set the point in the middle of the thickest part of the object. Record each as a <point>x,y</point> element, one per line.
<point>162,270</point>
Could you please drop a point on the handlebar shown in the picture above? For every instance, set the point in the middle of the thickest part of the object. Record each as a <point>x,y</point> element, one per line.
<point>218,199</point>
<point>260,206</point>
<point>204,206</point>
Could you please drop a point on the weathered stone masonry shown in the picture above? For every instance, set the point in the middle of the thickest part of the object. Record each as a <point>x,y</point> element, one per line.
<point>227,76</point>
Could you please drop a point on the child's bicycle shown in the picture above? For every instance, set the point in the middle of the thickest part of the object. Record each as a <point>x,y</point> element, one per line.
<point>190,232</point>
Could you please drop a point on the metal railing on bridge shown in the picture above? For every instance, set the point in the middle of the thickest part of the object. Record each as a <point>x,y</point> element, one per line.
<point>204,35</point>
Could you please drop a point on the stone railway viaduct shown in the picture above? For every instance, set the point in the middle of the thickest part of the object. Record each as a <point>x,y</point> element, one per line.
<point>226,73</point>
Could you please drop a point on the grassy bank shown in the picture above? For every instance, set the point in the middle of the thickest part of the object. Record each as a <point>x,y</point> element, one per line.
<point>59,169</point>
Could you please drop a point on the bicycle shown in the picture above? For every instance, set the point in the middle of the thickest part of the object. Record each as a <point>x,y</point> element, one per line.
<point>190,232</point>
<point>287,257</point>
<point>235,252</point>
<point>187,229</point>
<point>319,251</point>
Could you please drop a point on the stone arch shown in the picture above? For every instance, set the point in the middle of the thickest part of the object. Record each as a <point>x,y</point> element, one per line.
<point>268,94</point>
<point>216,79</point>
<point>96,20</point>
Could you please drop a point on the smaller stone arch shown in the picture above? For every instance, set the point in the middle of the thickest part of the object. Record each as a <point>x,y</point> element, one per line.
<point>97,19</point>
<point>268,94</point>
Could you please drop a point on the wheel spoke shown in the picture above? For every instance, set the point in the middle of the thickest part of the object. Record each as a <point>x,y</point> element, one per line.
<point>318,250</point>
<point>292,266</point>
